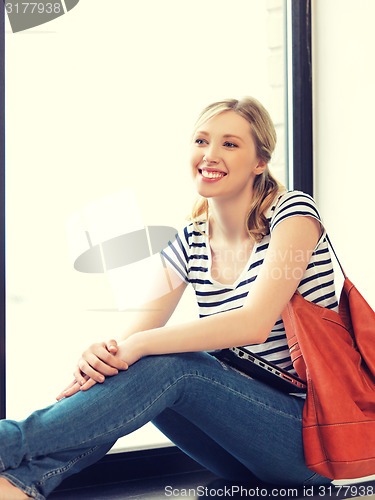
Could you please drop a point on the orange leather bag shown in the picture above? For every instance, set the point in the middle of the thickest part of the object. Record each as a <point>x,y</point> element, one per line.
<point>335,354</point>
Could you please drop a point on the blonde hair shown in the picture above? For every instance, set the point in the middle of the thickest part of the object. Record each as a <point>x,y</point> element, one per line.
<point>265,185</point>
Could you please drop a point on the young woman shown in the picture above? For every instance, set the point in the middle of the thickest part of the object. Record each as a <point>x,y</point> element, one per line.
<point>249,246</point>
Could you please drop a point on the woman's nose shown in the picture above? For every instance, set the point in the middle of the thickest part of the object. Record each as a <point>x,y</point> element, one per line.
<point>211,155</point>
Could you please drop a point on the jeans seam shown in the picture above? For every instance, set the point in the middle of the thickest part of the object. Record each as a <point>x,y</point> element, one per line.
<point>140,413</point>
<point>26,489</point>
<point>69,465</point>
<point>244,396</point>
<point>311,478</point>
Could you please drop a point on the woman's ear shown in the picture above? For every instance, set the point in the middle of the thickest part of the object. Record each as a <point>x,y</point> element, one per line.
<point>260,168</point>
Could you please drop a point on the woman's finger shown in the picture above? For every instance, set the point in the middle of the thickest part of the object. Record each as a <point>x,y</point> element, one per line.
<point>110,359</point>
<point>61,395</point>
<point>112,346</point>
<point>86,369</point>
<point>101,366</point>
<point>101,352</point>
<point>73,390</point>
<point>90,383</point>
<point>79,377</point>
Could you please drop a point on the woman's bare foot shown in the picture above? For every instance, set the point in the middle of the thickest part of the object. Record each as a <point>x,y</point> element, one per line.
<point>10,492</point>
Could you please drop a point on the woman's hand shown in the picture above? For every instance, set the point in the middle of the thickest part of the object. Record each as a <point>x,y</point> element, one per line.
<point>100,360</point>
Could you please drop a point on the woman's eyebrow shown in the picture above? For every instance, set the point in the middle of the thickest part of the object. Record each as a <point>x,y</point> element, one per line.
<point>226,136</point>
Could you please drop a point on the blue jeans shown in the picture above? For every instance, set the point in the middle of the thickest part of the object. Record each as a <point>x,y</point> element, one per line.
<point>237,427</point>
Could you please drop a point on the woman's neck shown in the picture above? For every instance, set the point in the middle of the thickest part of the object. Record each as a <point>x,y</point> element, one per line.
<point>229,217</point>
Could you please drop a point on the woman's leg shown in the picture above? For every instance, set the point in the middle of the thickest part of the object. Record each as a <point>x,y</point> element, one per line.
<point>199,446</point>
<point>242,425</point>
<point>257,425</point>
<point>51,469</point>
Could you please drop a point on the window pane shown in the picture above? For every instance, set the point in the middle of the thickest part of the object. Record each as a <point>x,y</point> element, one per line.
<point>99,100</point>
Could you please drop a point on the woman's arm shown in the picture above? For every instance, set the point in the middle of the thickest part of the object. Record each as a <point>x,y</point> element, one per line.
<point>291,246</point>
<point>101,359</point>
<point>292,243</point>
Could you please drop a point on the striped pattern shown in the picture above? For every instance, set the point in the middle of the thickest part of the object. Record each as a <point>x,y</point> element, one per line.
<point>190,256</point>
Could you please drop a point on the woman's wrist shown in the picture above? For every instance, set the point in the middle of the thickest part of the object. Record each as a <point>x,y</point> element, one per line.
<point>147,342</point>
<point>133,347</point>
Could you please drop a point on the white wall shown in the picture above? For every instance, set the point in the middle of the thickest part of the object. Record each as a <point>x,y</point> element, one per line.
<point>344,135</point>
<point>344,113</point>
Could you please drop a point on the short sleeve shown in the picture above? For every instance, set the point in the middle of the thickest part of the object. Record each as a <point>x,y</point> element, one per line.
<point>295,203</point>
<point>176,254</point>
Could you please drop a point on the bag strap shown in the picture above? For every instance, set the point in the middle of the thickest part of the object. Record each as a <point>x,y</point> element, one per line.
<point>334,253</point>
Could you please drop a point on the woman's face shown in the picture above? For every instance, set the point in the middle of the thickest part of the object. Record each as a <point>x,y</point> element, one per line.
<point>223,157</point>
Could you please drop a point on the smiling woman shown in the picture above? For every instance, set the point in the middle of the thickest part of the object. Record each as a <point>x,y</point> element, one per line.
<point>231,148</point>
<point>166,374</point>
<point>77,309</point>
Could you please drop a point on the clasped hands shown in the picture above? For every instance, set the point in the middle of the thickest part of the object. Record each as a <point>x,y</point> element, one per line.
<point>100,360</point>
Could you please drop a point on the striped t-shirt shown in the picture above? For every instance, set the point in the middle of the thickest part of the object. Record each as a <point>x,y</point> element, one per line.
<point>190,256</point>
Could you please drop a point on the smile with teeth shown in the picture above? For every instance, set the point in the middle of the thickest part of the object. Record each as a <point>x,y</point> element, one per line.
<point>211,175</point>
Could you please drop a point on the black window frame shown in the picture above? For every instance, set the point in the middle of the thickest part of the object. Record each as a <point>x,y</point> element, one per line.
<point>302,126</point>
<point>171,460</point>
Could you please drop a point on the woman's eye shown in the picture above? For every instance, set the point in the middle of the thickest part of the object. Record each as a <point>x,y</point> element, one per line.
<point>200,141</point>
<point>230,145</point>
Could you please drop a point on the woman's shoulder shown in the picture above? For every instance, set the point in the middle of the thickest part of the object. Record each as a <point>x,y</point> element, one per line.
<point>293,199</point>
<point>291,203</point>
<point>297,196</point>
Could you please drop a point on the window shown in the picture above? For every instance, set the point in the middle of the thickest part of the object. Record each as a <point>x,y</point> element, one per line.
<point>104,99</point>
